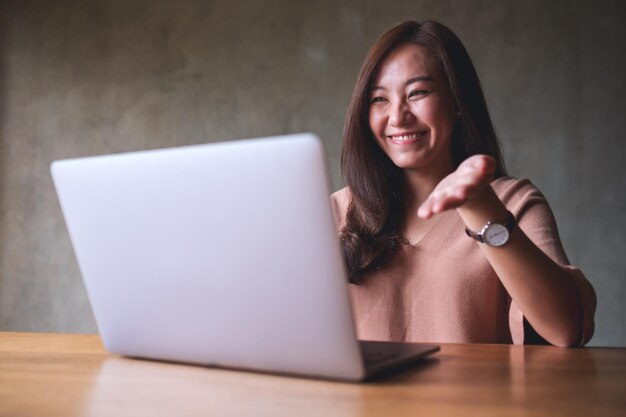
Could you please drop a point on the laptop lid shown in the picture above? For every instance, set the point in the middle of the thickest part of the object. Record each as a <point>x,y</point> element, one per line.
<point>221,254</point>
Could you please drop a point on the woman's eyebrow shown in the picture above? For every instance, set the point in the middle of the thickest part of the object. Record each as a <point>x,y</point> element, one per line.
<point>408,82</point>
<point>420,78</point>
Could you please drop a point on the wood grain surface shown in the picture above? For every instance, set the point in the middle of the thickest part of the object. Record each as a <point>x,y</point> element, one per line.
<point>72,375</point>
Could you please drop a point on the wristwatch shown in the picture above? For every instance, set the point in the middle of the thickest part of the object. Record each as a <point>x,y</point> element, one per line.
<point>494,234</point>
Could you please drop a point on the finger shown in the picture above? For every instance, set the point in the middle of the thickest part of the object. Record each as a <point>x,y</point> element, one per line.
<point>425,210</point>
<point>484,164</point>
<point>473,176</point>
<point>455,196</point>
<point>439,200</point>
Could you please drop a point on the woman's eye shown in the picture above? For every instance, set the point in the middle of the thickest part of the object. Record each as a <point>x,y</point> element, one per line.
<point>377,100</point>
<point>415,93</point>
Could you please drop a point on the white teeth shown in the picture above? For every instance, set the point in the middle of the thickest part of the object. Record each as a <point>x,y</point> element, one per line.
<point>405,138</point>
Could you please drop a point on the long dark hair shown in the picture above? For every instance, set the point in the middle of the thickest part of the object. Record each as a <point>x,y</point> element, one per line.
<point>374,220</point>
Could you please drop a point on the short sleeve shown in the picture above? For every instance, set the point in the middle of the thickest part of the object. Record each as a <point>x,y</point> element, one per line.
<point>534,216</point>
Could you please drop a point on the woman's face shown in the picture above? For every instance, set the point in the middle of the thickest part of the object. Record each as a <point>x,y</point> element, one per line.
<point>410,110</point>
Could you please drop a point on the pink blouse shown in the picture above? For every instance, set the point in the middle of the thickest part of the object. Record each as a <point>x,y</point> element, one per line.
<point>442,289</point>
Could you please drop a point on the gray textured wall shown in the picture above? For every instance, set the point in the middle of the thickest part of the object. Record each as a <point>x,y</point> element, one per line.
<point>94,76</point>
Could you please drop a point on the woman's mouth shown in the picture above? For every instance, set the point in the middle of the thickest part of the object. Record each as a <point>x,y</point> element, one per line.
<point>408,137</point>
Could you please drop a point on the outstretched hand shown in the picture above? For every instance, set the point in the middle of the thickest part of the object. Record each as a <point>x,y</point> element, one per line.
<point>464,185</point>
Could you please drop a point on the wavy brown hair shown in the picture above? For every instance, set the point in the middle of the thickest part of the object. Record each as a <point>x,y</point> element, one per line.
<point>374,220</point>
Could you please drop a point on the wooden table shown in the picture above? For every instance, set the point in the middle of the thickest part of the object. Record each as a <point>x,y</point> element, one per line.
<point>69,375</point>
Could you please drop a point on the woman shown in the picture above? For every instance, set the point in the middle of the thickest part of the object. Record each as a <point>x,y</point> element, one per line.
<point>441,245</point>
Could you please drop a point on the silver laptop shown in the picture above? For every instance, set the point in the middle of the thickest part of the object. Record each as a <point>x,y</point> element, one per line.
<point>223,255</point>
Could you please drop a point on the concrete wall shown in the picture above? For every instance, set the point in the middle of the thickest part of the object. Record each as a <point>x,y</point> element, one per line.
<point>92,76</point>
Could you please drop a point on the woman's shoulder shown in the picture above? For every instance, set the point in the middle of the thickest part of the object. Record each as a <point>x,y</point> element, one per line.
<point>517,191</point>
<point>512,185</point>
<point>340,200</point>
<point>341,196</point>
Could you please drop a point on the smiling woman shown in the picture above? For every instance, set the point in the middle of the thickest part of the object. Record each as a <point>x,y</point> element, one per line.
<point>411,114</point>
<point>440,244</point>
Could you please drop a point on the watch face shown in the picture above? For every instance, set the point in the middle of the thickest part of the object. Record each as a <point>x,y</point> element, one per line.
<point>496,235</point>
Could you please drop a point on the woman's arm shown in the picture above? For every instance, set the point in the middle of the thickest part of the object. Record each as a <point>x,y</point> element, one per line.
<point>545,291</point>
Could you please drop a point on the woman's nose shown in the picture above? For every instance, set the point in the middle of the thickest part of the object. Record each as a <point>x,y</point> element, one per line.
<point>400,114</point>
